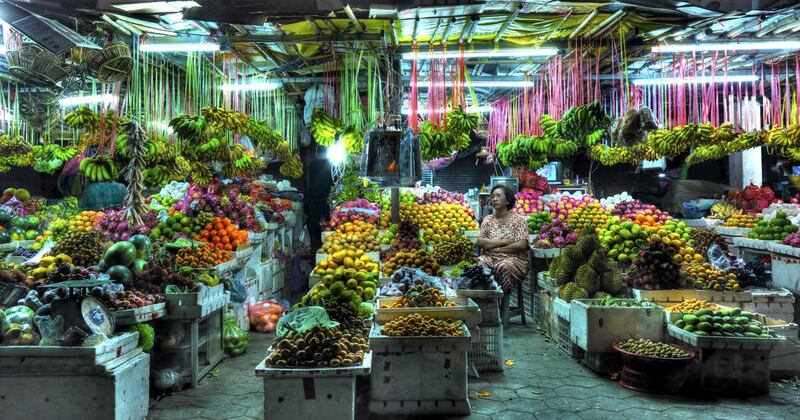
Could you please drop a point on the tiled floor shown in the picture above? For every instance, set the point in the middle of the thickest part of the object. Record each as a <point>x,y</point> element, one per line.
<point>542,383</point>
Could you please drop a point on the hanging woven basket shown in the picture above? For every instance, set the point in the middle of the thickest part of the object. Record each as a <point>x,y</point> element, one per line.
<point>82,54</point>
<point>35,65</point>
<point>111,64</point>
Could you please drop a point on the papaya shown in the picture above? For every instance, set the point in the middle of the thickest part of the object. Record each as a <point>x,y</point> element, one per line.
<point>701,333</point>
<point>690,319</point>
<point>741,320</point>
<point>704,311</point>
<point>749,334</point>
<point>680,323</point>
<point>746,314</point>
<point>704,318</point>
<point>689,328</point>
<point>120,274</point>
<point>727,328</point>
<point>703,326</point>
<point>121,253</point>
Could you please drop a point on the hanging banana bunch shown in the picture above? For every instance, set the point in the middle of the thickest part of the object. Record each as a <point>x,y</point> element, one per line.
<point>51,157</point>
<point>83,118</point>
<point>324,128</point>
<point>222,119</point>
<point>13,145</point>
<point>99,169</point>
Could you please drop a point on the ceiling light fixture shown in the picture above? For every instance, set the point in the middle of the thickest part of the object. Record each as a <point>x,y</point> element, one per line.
<point>245,87</point>
<point>728,46</point>
<point>503,52</point>
<point>85,100</point>
<point>489,83</point>
<point>336,154</point>
<point>694,80</point>
<point>471,109</point>
<point>180,47</point>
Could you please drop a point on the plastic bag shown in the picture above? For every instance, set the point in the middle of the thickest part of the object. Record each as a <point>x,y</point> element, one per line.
<point>265,315</point>
<point>50,328</point>
<point>166,379</point>
<point>406,277</point>
<point>20,335</point>
<point>238,289</point>
<point>234,338</point>
<point>16,315</point>
<point>303,319</point>
<point>718,259</point>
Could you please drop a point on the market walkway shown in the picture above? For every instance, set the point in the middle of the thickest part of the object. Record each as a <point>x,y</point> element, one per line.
<point>542,383</point>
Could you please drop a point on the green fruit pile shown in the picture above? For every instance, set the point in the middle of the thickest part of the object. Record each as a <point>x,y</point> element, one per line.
<point>454,251</point>
<point>180,223</point>
<point>537,220</point>
<point>649,348</point>
<point>623,240</point>
<point>723,323</point>
<point>774,230</point>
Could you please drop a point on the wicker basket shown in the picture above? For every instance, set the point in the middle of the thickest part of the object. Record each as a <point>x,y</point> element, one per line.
<point>113,63</point>
<point>35,65</point>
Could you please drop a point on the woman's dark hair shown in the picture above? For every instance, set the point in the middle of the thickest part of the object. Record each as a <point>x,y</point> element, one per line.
<point>510,199</point>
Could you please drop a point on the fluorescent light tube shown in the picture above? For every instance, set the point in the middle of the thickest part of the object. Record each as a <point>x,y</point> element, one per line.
<point>243,87</point>
<point>85,100</point>
<point>505,52</point>
<point>728,46</point>
<point>3,49</point>
<point>5,115</point>
<point>486,83</point>
<point>693,80</point>
<point>471,109</point>
<point>180,47</point>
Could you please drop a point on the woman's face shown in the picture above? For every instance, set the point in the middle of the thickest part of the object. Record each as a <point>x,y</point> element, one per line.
<point>498,199</point>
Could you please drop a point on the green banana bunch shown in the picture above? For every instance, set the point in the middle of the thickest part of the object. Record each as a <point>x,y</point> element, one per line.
<point>292,167</point>
<point>201,173</point>
<point>788,137</point>
<point>189,128</point>
<point>180,170</point>
<point>155,177</point>
<point>225,119</point>
<point>353,140</point>
<point>584,125</point>
<point>99,169</point>
<point>461,122</point>
<point>324,128</point>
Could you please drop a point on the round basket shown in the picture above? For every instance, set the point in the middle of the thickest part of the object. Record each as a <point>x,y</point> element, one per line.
<point>35,65</point>
<point>653,374</point>
<point>111,64</point>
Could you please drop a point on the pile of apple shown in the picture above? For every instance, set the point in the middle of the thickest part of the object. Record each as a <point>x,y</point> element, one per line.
<point>565,205</point>
<point>528,201</point>
<point>641,213</point>
<point>439,195</point>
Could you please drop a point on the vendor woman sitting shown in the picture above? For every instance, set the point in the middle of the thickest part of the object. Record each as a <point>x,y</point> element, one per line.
<point>504,241</point>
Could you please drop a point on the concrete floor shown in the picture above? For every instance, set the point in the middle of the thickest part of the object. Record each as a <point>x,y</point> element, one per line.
<point>542,383</point>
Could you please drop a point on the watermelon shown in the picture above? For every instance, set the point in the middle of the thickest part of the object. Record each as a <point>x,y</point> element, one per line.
<point>120,274</point>
<point>18,222</point>
<point>121,253</point>
<point>17,234</point>
<point>32,222</point>
<point>5,217</point>
<point>143,246</point>
<point>31,234</point>
<point>5,237</point>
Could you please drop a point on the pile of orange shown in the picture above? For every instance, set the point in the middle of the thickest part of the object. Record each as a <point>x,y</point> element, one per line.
<point>85,221</point>
<point>439,221</point>
<point>202,257</point>
<point>741,220</point>
<point>643,219</point>
<point>221,233</point>
<point>353,235</point>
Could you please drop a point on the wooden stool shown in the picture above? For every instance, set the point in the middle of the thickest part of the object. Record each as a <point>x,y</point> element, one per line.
<point>507,313</point>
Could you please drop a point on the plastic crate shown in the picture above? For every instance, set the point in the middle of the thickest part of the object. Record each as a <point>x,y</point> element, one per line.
<point>487,352</point>
<point>564,341</point>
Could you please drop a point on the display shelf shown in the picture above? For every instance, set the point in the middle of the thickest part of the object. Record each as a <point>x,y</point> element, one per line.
<point>731,231</point>
<point>200,350</point>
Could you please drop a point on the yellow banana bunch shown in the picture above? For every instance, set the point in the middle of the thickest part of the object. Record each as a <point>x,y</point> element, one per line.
<point>724,210</point>
<point>13,145</point>
<point>324,128</point>
<point>201,173</point>
<point>785,137</point>
<point>292,167</point>
<point>83,118</point>
<point>353,140</point>
<point>225,119</point>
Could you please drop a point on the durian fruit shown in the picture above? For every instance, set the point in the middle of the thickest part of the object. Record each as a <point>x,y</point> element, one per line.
<point>587,279</point>
<point>600,295</point>
<point>598,262</point>
<point>612,282</point>
<point>587,243</point>
<point>572,291</point>
<point>574,255</point>
<point>562,270</point>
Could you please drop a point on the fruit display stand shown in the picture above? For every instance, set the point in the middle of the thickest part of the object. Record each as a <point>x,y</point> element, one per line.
<point>543,316</point>
<point>701,223</point>
<point>297,393</point>
<point>594,328</point>
<point>139,315</point>
<point>374,256</point>
<point>729,365</point>
<point>196,323</point>
<point>731,231</point>
<point>408,364</point>
<point>110,381</point>
<point>748,249</point>
<point>774,303</point>
<point>785,266</point>
<point>488,301</point>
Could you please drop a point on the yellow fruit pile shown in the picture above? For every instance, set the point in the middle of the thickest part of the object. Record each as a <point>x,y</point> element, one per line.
<point>439,221</point>
<point>416,258</point>
<point>676,235</point>
<point>353,258</point>
<point>705,276</point>
<point>85,221</point>
<point>47,265</point>
<point>353,235</point>
<point>692,305</point>
<point>587,214</point>
<point>741,220</point>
